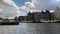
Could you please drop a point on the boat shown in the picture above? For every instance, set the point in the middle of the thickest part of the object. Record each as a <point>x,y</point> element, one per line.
<point>9,22</point>
<point>50,21</point>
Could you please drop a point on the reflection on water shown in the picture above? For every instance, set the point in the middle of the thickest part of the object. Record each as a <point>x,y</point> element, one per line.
<point>31,28</point>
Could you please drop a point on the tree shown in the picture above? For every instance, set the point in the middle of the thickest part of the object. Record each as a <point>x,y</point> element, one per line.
<point>1,18</point>
<point>15,18</point>
<point>19,18</point>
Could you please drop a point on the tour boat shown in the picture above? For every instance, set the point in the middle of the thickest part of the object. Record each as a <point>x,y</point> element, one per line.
<point>10,22</point>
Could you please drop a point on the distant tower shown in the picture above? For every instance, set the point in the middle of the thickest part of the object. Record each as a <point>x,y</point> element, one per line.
<point>57,13</point>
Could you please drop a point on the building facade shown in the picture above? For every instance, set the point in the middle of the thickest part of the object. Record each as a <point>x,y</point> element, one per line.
<point>45,15</point>
<point>30,16</point>
<point>52,15</point>
<point>22,18</point>
<point>34,16</point>
<point>57,13</point>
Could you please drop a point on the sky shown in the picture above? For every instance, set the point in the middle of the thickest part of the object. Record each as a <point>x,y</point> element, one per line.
<point>11,8</point>
<point>36,5</point>
<point>21,2</point>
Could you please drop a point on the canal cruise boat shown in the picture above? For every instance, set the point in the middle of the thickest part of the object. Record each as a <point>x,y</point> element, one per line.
<point>9,22</point>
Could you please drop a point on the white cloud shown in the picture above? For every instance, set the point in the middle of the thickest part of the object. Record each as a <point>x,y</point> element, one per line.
<point>23,7</point>
<point>54,0</point>
<point>34,10</point>
<point>29,5</point>
<point>42,4</point>
<point>11,3</point>
<point>8,8</point>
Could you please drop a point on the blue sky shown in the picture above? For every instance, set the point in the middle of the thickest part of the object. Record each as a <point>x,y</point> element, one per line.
<point>21,2</point>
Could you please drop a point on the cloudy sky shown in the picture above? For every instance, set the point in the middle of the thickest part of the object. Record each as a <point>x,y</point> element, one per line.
<point>11,8</point>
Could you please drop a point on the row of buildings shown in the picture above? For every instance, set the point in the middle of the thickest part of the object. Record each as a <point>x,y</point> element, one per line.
<point>47,15</point>
<point>36,16</point>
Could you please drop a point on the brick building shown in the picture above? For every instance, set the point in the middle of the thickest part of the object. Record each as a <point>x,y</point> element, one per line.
<point>33,16</point>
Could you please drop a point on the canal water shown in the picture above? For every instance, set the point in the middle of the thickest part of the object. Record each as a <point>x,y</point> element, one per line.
<point>31,28</point>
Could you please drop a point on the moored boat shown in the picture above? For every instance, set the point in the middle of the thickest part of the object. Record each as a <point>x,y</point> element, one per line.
<point>50,21</point>
<point>10,22</point>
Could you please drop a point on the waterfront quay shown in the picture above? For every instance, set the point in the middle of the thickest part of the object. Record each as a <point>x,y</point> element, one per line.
<point>31,28</point>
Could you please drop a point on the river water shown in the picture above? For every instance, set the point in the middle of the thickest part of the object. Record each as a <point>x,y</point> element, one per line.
<point>31,28</point>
